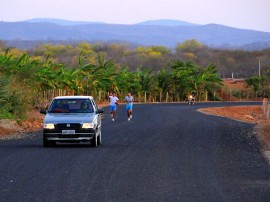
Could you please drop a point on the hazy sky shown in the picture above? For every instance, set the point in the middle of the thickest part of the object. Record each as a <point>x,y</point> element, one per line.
<point>247,14</point>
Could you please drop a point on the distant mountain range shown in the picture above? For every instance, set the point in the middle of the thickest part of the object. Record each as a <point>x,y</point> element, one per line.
<point>163,22</point>
<point>60,22</point>
<point>150,33</point>
<point>172,23</point>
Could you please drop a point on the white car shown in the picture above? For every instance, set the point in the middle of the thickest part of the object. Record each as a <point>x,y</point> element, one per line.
<point>72,119</point>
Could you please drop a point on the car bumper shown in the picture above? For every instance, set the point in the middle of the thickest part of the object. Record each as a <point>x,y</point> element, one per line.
<point>79,139</point>
<point>79,136</point>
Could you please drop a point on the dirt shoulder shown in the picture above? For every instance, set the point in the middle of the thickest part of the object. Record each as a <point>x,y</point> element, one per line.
<point>10,129</point>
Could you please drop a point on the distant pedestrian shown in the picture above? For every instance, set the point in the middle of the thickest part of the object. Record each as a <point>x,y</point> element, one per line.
<point>113,103</point>
<point>129,104</point>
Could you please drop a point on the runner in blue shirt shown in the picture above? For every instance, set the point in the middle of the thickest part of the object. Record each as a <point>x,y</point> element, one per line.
<point>129,100</point>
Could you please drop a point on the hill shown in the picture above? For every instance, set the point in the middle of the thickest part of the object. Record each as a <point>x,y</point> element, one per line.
<point>60,22</point>
<point>160,33</point>
<point>166,23</point>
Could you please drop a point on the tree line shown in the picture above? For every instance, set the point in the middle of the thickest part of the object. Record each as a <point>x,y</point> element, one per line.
<point>25,76</point>
<point>240,63</point>
<point>153,73</point>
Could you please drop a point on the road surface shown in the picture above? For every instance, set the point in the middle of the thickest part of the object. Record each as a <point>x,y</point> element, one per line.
<point>168,152</point>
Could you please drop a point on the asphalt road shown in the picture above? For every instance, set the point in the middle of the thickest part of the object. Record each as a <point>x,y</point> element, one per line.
<point>168,152</point>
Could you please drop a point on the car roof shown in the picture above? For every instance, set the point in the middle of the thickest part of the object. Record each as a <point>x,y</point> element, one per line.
<point>74,97</point>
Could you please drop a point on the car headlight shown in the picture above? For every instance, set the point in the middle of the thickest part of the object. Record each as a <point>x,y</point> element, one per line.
<point>88,125</point>
<point>48,126</point>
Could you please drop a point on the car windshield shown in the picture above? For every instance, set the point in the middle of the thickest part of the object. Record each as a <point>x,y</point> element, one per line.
<point>71,106</point>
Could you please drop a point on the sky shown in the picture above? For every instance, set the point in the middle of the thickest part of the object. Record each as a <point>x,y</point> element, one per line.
<point>244,14</point>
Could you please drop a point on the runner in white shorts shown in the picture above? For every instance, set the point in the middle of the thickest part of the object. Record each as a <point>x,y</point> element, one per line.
<point>113,103</point>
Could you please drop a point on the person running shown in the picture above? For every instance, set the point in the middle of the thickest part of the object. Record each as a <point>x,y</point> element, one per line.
<point>129,100</point>
<point>113,103</point>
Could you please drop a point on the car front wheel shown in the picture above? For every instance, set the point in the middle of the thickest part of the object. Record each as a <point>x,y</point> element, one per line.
<point>99,139</point>
<point>45,143</point>
<point>94,141</point>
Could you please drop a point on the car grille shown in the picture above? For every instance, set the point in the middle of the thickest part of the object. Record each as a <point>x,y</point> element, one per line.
<point>68,126</point>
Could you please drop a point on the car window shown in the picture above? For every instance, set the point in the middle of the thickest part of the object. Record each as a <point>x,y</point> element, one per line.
<point>71,106</point>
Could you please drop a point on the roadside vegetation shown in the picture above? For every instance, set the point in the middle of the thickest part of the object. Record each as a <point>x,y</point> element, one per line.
<point>32,77</point>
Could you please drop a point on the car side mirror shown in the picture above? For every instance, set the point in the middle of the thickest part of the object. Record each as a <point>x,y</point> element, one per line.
<point>43,111</point>
<point>100,111</point>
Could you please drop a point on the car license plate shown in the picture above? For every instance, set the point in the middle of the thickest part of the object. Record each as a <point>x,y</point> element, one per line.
<point>68,132</point>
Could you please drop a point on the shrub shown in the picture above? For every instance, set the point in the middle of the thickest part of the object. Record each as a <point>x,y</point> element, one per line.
<point>15,98</point>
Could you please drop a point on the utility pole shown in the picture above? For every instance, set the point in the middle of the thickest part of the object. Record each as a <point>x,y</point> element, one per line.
<point>259,68</point>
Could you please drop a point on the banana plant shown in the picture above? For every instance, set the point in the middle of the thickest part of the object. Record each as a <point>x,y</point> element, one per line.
<point>207,79</point>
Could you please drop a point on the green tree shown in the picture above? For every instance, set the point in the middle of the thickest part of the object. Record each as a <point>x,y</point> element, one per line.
<point>183,76</point>
<point>163,79</point>
<point>207,80</point>
<point>256,83</point>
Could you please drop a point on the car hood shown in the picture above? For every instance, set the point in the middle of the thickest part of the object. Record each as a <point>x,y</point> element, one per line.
<point>69,117</point>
